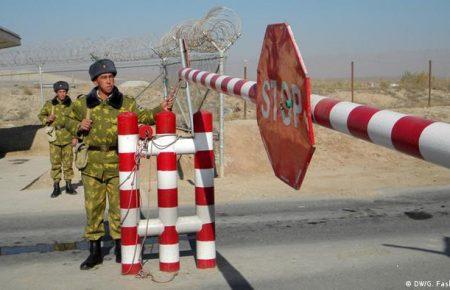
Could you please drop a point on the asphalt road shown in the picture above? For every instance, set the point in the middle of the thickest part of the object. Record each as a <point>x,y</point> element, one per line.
<point>384,243</point>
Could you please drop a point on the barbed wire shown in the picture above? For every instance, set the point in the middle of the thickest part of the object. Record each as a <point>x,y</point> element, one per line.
<point>218,29</point>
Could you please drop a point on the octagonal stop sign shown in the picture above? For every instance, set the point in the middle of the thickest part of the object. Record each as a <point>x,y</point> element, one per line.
<point>283,105</point>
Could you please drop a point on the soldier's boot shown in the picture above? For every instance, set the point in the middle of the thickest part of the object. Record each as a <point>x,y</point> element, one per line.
<point>118,251</point>
<point>95,256</point>
<point>56,190</point>
<point>69,187</point>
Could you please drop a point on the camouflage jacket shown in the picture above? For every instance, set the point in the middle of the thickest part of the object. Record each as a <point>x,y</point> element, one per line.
<point>60,110</point>
<point>103,133</point>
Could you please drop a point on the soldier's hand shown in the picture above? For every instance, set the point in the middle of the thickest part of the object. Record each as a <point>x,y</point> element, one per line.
<point>74,141</point>
<point>51,118</point>
<point>85,125</point>
<point>167,104</point>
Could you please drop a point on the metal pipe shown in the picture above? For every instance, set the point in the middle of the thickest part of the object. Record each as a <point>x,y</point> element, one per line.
<point>188,93</point>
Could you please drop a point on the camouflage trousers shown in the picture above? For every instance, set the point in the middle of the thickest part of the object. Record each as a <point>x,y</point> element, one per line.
<point>61,158</point>
<point>96,190</point>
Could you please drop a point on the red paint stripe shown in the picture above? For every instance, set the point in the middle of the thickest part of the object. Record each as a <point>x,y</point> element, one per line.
<point>358,119</point>
<point>126,161</point>
<point>129,236</point>
<point>169,236</point>
<point>194,76</point>
<point>237,87</point>
<point>169,267</point>
<point>206,264</point>
<point>131,269</point>
<point>166,161</point>
<point>168,197</point>
<point>212,82</point>
<point>204,195</point>
<point>204,159</point>
<point>322,111</point>
<point>165,123</point>
<point>203,122</point>
<point>406,133</point>
<point>224,84</point>
<point>203,78</point>
<point>207,233</point>
<point>129,199</point>
<point>127,123</point>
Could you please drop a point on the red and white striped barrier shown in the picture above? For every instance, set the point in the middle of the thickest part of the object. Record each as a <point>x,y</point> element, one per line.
<point>166,145</point>
<point>415,136</point>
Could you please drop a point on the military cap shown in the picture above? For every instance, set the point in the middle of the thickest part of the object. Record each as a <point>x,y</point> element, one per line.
<point>61,85</point>
<point>102,66</point>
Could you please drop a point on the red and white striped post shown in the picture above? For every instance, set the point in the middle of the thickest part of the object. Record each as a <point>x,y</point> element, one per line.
<point>204,189</point>
<point>169,256</point>
<point>129,192</point>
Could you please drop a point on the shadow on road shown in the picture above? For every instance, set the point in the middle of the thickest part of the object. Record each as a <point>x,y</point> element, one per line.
<point>445,252</point>
<point>17,138</point>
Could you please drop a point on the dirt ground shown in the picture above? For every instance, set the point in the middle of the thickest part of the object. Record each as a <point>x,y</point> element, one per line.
<point>342,166</point>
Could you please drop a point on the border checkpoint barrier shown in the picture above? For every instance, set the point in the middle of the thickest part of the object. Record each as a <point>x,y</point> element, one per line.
<point>283,98</point>
<point>285,111</point>
<point>165,146</point>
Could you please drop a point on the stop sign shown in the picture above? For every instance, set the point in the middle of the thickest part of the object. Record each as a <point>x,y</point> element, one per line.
<point>283,105</point>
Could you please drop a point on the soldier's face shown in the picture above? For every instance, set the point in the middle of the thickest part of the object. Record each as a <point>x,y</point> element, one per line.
<point>61,94</point>
<point>105,83</point>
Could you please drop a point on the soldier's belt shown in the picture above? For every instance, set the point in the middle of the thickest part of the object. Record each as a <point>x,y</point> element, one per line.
<point>103,148</point>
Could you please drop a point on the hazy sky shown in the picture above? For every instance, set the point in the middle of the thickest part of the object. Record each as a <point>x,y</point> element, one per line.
<point>383,37</point>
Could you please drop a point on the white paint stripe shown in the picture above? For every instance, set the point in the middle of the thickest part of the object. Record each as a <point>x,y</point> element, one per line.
<point>188,224</point>
<point>184,146</point>
<point>129,217</point>
<point>206,250</point>
<point>151,227</point>
<point>128,252</point>
<point>203,141</point>
<point>199,76</point>
<point>183,72</point>
<point>339,116</point>
<point>245,89</point>
<point>191,73</point>
<point>127,143</point>
<point>206,213</point>
<point>168,215</point>
<point>219,83</point>
<point>208,80</point>
<point>169,253</point>
<point>231,84</point>
<point>204,177</point>
<point>434,143</point>
<point>380,127</point>
<point>165,143</point>
<point>167,179</point>
<point>129,180</point>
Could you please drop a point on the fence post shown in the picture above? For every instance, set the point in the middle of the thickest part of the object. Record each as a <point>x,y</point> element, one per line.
<point>41,85</point>
<point>429,83</point>
<point>352,81</point>
<point>245,77</point>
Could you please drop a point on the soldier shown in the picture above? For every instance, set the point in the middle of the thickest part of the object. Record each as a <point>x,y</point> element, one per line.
<point>60,140</point>
<point>94,117</point>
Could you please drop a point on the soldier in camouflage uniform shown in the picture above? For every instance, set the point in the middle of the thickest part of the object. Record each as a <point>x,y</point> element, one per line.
<point>94,117</point>
<point>53,114</point>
